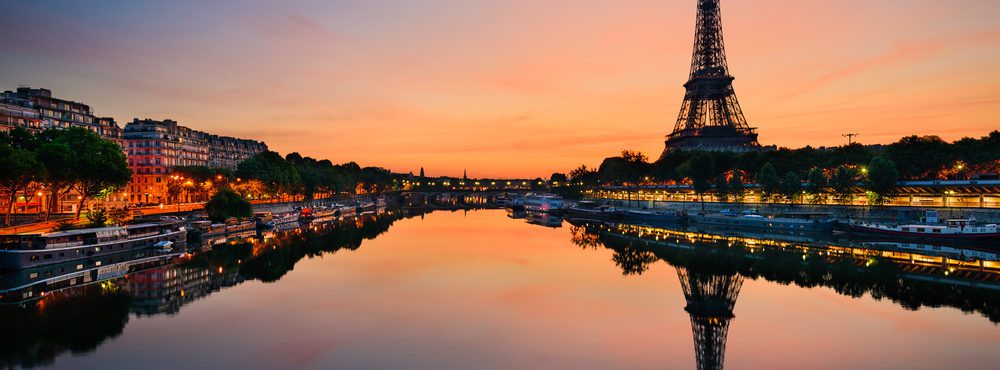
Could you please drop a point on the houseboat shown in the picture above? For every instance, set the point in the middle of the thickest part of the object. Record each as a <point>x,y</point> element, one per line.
<point>750,219</point>
<point>652,217</point>
<point>547,203</point>
<point>308,214</point>
<point>515,204</point>
<point>590,210</point>
<point>954,229</point>
<point>341,210</point>
<point>263,219</point>
<point>275,221</point>
<point>32,250</point>
<point>365,206</point>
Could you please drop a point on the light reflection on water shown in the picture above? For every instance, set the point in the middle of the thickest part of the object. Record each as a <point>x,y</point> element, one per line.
<point>479,290</point>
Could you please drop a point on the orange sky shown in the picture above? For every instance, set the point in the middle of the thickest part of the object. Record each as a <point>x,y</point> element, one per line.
<point>509,88</point>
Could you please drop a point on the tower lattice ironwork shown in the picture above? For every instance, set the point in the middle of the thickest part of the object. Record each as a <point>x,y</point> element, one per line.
<point>710,300</point>
<point>710,117</point>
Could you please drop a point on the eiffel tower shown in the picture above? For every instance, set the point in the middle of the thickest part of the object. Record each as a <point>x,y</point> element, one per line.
<point>710,300</point>
<point>710,117</point>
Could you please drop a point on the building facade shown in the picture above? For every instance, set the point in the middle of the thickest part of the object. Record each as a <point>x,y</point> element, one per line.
<point>156,147</point>
<point>37,109</point>
<point>153,148</point>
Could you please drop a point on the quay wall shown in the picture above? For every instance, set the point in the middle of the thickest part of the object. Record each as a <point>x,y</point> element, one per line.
<point>842,212</point>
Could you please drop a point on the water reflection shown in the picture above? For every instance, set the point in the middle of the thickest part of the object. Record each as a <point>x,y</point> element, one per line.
<point>711,269</point>
<point>80,317</point>
<point>44,320</point>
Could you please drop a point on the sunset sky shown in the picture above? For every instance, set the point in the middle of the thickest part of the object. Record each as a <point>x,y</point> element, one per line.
<point>512,88</point>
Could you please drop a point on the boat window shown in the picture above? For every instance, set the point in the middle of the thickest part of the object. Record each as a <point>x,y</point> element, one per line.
<point>937,230</point>
<point>33,275</point>
<point>34,257</point>
<point>79,267</point>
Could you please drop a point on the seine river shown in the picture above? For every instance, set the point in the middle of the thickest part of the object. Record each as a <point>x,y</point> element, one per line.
<point>483,290</point>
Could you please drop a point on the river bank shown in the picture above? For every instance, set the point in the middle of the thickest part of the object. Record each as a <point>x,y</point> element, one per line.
<point>841,212</point>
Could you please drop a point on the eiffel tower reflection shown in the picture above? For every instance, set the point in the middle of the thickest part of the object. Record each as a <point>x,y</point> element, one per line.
<point>710,299</point>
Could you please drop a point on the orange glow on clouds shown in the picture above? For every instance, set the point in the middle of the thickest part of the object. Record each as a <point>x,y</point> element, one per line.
<point>513,88</point>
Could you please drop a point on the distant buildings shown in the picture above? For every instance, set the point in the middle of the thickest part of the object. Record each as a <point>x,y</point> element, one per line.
<point>36,109</point>
<point>154,148</point>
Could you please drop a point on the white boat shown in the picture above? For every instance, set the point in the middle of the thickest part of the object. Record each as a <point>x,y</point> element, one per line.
<point>548,203</point>
<point>164,246</point>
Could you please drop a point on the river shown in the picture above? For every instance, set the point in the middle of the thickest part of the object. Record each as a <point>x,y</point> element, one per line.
<point>481,290</point>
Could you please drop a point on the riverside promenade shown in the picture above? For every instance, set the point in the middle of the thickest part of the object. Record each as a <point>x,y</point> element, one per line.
<point>183,210</point>
<point>844,212</point>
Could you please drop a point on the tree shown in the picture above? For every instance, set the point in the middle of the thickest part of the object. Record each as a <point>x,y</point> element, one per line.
<point>98,217</point>
<point>791,186</point>
<point>583,175</point>
<point>699,169</point>
<point>57,157</point>
<point>225,204</point>
<point>634,156</point>
<point>881,182</point>
<point>19,167</point>
<point>816,184</point>
<point>118,216</point>
<point>273,171</point>
<point>558,177</point>
<point>98,164</point>
<point>770,183</point>
<point>842,183</point>
<point>736,187</point>
<point>722,188</point>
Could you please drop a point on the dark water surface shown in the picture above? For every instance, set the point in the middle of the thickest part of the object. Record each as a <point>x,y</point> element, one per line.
<point>477,290</point>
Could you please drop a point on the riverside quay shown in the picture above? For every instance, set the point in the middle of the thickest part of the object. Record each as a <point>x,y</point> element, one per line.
<point>935,194</point>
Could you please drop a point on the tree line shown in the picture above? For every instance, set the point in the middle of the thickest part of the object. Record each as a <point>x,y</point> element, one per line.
<point>267,174</point>
<point>55,162</point>
<point>816,175</point>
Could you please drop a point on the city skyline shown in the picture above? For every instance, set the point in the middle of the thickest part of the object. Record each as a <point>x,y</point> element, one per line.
<point>524,89</point>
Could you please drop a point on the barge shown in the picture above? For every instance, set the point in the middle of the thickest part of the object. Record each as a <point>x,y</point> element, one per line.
<point>23,251</point>
<point>590,210</point>
<point>752,220</point>
<point>955,229</point>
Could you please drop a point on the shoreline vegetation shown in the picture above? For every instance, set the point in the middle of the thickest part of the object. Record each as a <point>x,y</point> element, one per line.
<point>805,175</point>
<point>54,162</point>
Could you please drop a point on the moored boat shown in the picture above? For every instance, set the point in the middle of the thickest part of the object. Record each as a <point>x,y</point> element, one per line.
<point>548,203</point>
<point>515,204</point>
<point>30,250</point>
<point>365,206</point>
<point>655,217</point>
<point>309,214</point>
<point>954,229</point>
<point>590,210</point>
<point>771,223</point>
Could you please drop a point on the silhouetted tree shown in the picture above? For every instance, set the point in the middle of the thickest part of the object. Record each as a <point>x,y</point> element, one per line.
<point>882,181</point>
